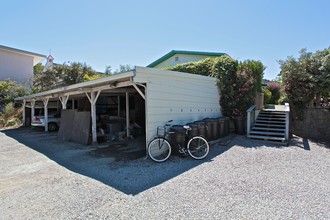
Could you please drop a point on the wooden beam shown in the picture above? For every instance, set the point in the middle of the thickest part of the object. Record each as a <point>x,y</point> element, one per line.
<point>139,91</point>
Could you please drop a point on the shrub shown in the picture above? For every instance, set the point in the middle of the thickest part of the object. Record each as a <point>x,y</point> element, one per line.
<point>11,123</point>
<point>2,122</point>
<point>275,89</point>
<point>305,77</point>
<point>8,110</point>
<point>238,82</point>
<point>9,90</point>
<point>267,95</point>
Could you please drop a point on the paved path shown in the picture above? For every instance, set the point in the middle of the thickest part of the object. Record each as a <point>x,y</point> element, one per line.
<point>44,178</point>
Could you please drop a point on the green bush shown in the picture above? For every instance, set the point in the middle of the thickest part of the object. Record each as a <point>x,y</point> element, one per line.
<point>267,95</point>
<point>9,90</point>
<point>2,122</point>
<point>8,110</point>
<point>238,82</point>
<point>11,123</point>
<point>305,77</point>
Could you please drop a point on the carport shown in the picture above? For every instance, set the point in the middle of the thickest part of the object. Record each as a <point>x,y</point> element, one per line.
<point>167,95</point>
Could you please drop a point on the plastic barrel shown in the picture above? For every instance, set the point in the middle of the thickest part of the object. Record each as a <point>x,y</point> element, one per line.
<point>194,130</point>
<point>212,128</point>
<point>239,125</point>
<point>178,137</point>
<point>201,128</point>
<point>227,125</point>
<point>222,127</point>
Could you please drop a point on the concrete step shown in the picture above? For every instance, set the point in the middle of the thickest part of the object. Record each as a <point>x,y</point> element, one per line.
<point>272,111</point>
<point>269,125</point>
<point>270,121</point>
<point>267,133</point>
<point>271,118</point>
<point>267,138</point>
<point>268,128</point>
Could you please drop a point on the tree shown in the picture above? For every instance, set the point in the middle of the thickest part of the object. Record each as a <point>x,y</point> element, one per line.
<point>306,77</point>
<point>9,90</point>
<point>62,75</point>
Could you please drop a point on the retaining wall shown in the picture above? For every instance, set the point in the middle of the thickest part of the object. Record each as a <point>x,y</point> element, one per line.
<point>315,125</point>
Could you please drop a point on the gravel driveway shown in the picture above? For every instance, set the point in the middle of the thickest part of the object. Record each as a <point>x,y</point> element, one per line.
<point>42,177</point>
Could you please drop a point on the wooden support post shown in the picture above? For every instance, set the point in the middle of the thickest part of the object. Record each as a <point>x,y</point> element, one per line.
<point>45,101</point>
<point>64,101</point>
<point>127,114</point>
<point>72,103</point>
<point>118,106</point>
<point>93,98</point>
<point>24,116</point>
<point>33,102</point>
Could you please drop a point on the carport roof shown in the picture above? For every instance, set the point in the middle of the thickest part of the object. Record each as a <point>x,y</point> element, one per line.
<point>80,88</point>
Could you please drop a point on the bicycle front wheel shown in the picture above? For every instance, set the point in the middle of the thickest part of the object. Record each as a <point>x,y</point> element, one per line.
<point>159,149</point>
<point>198,148</point>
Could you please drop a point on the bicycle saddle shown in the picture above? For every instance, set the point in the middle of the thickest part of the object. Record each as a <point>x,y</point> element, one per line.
<point>186,127</point>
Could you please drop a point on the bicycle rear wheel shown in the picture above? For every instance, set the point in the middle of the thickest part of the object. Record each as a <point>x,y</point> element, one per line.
<point>198,148</point>
<point>159,149</point>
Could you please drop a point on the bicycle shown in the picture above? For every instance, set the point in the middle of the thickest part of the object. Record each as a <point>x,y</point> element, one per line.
<point>160,148</point>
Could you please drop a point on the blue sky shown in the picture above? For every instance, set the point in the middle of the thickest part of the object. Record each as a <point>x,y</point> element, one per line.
<point>102,32</point>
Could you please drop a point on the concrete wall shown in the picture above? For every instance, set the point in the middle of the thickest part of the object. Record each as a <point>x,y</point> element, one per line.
<point>316,124</point>
<point>176,96</point>
<point>181,58</point>
<point>15,66</point>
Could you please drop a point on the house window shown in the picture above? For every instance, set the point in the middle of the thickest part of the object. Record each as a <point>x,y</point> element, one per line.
<point>176,59</point>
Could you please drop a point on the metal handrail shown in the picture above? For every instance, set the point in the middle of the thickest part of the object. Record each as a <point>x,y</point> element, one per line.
<point>249,122</point>
<point>287,120</point>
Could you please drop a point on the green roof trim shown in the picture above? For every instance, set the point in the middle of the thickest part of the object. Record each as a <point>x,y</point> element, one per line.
<point>22,51</point>
<point>174,52</point>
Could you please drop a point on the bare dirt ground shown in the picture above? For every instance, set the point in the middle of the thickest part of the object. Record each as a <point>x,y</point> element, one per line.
<point>42,177</point>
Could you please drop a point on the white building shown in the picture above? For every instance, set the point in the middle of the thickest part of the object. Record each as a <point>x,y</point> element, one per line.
<point>176,57</point>
<point>18,64</point>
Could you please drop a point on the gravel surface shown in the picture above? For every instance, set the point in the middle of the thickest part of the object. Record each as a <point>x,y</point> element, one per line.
<point>42,177</point>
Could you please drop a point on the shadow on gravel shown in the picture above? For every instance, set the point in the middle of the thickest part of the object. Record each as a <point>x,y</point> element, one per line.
<point>243,141</point>
<point>129,175</point>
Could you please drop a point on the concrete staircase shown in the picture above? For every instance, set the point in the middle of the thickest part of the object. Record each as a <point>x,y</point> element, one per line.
<point>270,125</point>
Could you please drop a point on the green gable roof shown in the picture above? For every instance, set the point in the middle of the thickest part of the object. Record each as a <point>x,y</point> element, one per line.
<point>174,52</point>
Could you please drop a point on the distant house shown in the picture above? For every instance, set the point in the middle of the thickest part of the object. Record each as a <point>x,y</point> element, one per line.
<point>17,64</point>
<point>181,56</point>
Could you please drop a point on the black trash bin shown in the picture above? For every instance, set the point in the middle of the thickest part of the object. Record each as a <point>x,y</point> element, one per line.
<point>212,128</point>
<point>227,125</point>
<point>239,125</point>
<point>222,127</point>
<point>194,130</point>
<point>178,137</point>
<point>201,128</point>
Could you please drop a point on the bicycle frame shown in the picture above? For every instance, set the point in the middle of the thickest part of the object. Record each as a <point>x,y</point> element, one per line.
<point>185,147</point>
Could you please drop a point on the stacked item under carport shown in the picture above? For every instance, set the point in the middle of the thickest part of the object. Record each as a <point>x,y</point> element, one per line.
<point>111,128</point>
